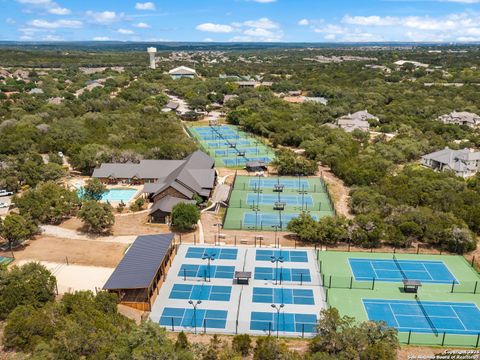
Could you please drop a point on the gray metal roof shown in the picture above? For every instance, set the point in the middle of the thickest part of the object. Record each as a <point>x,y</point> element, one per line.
<point>141,262</point>
<point>194,174</point>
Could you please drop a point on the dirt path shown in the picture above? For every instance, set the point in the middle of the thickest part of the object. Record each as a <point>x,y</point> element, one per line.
<point>338,190</point>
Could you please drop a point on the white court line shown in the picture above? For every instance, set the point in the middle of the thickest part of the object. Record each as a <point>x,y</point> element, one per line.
<point>461,322</point>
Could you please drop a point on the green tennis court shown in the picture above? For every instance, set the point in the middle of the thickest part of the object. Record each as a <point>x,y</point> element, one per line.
<point>231,147</point>
<point>385,299</point>
<point>270,203</point>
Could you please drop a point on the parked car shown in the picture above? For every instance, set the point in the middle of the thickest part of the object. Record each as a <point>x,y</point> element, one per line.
<point>4,206</point>
<point>5,193</point>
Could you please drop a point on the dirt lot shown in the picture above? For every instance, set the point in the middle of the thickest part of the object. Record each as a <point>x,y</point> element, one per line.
<point>82,252</point>
<point>131,224</point>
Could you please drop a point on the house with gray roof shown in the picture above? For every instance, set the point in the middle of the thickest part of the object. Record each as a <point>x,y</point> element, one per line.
<point>464,162</point>
<point>165,182</point>
<point>461,118</point>
<point>356,121</point>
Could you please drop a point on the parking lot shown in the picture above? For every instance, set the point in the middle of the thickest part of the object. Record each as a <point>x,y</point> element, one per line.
<point>5,200</point>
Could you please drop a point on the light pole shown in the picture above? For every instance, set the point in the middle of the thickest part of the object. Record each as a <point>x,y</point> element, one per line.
<point>276,227</point>
<point>209,257</point>
<point>278,309</point>
<point>195,304</point>
<point>276,260</point>
<point>218,225</point>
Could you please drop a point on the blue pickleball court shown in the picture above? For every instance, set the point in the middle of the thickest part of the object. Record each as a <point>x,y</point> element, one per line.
<point>201,292</point>
<point>219,253</point>
<point>185,317</point>
<point>286,255</point>
<point>285,322</point>
<point>283,296</point>
<point>284,274</point>
<point>205,271</point>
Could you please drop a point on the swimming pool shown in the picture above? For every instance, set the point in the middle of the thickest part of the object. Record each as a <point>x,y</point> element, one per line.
<point>116,195</point>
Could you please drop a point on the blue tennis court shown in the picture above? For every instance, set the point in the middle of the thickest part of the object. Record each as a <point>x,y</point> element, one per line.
<point>408,315</point>
<point>220,253</point>
<point>228,152</point>
<point>286,322</point>
<point>240,160</point>
<point>201,292</point>
<point>270,199</point>
<point>214,319</point>
<point>283,296</point>
<point>287,255</point>
<point>284,274</point>
<point>202,271</point>
<point>394,271</point>
<point>264,219</point>
<point>287,183</point>
<point>221,143</point>
<point>215,136</point>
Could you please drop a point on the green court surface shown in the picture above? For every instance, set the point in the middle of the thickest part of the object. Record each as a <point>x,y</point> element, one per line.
<point>348,294</point>
<point>231,147</point>
<point>5,260</point>
<point>253,203</point>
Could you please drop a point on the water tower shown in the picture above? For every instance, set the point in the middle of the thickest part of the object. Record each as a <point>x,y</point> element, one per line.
<point>151,52</point>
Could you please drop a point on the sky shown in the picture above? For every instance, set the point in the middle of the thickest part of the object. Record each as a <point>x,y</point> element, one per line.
<point>241,20</point>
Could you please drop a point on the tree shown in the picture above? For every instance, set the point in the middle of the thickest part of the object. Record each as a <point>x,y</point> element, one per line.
<point>184,217</point>
<point>98,217</point>
<point>27,326</point>
<point>138,204</point>
<point>93,189</point>
<point>16,229</point>
<point>288,163</point>
<point>48,203</point>
<point>242,344</point>
<point>269,348</point>
<point>31,284</point>
<point>305,227</point>
<point>342,338</point>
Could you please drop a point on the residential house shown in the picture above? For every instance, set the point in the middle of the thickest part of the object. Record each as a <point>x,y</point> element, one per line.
<point>182,72</point>
<point>464,162</point>
<point>356,121</point>
<point>247,84</point>
<point>166,182</point>
<point>461,118</point>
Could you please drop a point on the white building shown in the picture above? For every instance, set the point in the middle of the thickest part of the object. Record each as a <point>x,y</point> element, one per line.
<point>182,72</point>
<point>461,118</point>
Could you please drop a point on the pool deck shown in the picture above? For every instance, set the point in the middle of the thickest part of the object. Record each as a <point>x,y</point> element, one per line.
<point>240,306</point>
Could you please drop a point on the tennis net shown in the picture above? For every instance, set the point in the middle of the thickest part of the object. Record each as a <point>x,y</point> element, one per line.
<point>399,267</point>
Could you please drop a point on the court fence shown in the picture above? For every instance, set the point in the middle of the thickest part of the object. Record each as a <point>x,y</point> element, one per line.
<point>268,328</point>
<point>439,339</point>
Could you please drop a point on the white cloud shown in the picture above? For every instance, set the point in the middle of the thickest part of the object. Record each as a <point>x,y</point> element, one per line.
<point>59,11</point>
<point>105,17</point>
<point>208,40</point>
<point>125,31</point>
<point>142,25</point>
<point>263,1</point>
<point>10,21</point>
<point>259,32</point>
<point>369,20</point>
<point>215,28</point>
<point>101,38</point>
<point>330,29</point>
<point>51,6</point>
<point>145,6</point>
<point>304,22</point>
<point>263,23</point>
<point>45,24</point>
